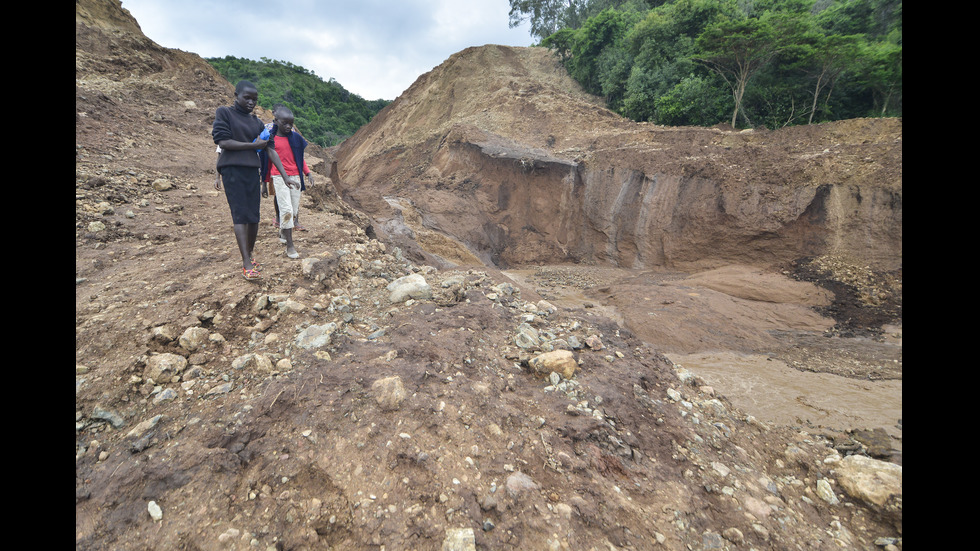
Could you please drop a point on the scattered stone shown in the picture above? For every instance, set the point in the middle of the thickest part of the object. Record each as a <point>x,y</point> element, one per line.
<point>556,361</point>
<point>162,334</point>
<point>163,367</point>
<point>876,441</point>
<point>684,375</point>
<point>527,336</point>
<point>229,536</point>
<point>720,469</point>
<point>223,388</point>
<point>594,342</point>
<point>826,492</point>
<point>459,539</point>
<point>161,184</point>
<point>389,392</point>
<point>165,395</point>
<point>546,308</point>
<point>155,512</point>
<point>112,417</point>
<point>412,286</point>
<point>193,338</point>
<point>316,336</point>
<point>253,362</point>
<point>290,306</point>
<point>734,535</point>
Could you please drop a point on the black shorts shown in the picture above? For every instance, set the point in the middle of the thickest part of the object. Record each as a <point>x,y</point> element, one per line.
<point>242,190</point>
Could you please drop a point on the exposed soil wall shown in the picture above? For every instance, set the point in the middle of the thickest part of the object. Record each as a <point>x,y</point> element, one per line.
<point>510,204</point>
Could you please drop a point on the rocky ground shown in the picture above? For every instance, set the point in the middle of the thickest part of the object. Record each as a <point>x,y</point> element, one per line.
<point>358,399</point>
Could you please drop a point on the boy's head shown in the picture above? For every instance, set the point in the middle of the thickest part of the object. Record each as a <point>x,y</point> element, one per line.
<point>284,121</point>
<point>246,96</point>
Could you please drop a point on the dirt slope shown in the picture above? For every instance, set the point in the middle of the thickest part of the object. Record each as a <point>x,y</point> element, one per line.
<point>417,421</point>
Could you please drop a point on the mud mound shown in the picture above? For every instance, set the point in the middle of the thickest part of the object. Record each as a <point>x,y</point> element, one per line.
<point>363,399</point>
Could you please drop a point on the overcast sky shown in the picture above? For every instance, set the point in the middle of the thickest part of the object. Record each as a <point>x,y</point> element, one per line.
<point>373,48</point>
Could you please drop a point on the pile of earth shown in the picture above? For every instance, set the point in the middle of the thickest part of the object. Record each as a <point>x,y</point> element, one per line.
<point>359,398</point>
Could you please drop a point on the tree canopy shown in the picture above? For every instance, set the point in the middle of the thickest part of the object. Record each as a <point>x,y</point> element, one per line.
<point>325,112</point>
<point>746,62</point>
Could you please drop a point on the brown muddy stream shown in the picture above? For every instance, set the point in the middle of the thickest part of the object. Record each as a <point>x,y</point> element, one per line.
<point>751,335</point>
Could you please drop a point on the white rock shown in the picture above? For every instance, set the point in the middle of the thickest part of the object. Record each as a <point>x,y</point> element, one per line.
<point>878,483</point>
<point>410,286</point>
<point>826,492</point>
<point>155,512</point>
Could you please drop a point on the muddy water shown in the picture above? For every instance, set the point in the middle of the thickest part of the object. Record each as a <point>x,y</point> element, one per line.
<point>751,373</point>
<point>776,393</point>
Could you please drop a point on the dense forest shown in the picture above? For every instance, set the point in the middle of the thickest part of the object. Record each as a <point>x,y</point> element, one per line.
<point>325,112</point>
<point>748,63</point>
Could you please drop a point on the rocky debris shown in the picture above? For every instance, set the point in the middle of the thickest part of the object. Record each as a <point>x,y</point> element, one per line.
<point>712,446</point>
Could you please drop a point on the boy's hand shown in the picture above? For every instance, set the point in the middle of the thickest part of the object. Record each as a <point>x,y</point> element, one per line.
<point>217,182</point>
<point>309,178</point>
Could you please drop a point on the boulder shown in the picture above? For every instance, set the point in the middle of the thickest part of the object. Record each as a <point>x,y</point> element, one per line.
<point>877,483</point>
<point>557,361</point>
<point>389,392</point>
<point>161,367</point>
<point>410,286</point>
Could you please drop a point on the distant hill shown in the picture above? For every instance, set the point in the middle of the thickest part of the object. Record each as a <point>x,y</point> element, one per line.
<point>326,113</point>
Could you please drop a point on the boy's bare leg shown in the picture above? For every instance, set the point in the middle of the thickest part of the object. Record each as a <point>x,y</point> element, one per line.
<point>253,236</point>
<point>288,236</point>
<point>245,237</point>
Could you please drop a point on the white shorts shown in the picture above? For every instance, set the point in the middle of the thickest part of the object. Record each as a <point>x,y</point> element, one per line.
<point>288,200</point>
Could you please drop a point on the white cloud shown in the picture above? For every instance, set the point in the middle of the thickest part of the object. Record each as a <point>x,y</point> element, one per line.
<point>374,48</point>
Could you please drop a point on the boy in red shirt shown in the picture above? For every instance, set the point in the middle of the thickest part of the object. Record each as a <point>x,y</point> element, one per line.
<point>290,146</point>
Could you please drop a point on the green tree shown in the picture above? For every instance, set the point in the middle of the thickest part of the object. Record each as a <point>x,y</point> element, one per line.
<point>881,72</point>
<point>547,17</point>
<point>829,57</point>
<point>737,49</point>
<point>661,44</point>
<point>597,55</point>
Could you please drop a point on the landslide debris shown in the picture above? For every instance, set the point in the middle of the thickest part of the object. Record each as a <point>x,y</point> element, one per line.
<point>357,399</point>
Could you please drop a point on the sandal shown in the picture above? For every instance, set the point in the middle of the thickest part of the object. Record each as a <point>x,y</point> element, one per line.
<point>275,223</point>
<point>299,227</point>
<point>256,266</point>
<point>250,274</point>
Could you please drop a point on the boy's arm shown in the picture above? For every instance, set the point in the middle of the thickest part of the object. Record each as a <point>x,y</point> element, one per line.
<point>234,145</point>
<point>307,172</point>
<point>274,157</point>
